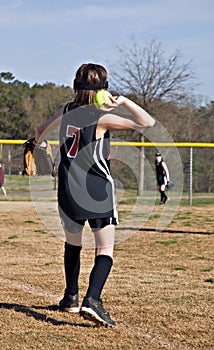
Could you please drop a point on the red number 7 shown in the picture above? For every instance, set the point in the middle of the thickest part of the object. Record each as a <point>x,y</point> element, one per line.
<point>73,132</point>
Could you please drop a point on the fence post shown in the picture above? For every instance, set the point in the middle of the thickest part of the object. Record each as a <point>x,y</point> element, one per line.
<point>141,170</point>
<point>190,175</point>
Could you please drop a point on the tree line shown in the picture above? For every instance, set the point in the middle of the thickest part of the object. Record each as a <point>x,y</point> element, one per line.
<point>164,86</point>
<point>23,108</point>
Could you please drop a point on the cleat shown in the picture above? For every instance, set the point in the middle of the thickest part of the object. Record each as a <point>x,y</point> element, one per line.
<point>93,310</point>
<point>165,199</point>
<point>69,303</point>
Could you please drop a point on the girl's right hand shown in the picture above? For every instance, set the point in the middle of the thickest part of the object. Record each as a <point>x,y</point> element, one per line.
<point>116,101</point>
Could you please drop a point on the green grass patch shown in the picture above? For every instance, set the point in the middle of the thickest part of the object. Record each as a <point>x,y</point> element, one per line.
<point>40,231</point>
<point>123,214</point>
<point>188,224</point>
<point>155,216</point>
<point>31,222</point>
<point>178,300</point>
<point>198,200</point>
<point>128,201</point>
<point>209,220</point>
<point>209,280</point>
<point>182,217</point>
<point>118,248</point>
<point>179,268</point>
<point>209,269</point>
<point>16,181</point>
<point>12,237</point>
<point>167,299</point>
<point>19,187</point>
<point>129,267</point>
<point>166,243</point>
<point>20,198</point>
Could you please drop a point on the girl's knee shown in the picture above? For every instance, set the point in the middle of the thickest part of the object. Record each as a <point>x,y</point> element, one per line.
<point>73,238</point>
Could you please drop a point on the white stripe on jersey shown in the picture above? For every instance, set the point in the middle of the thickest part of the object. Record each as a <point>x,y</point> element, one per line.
<point>105,171</point>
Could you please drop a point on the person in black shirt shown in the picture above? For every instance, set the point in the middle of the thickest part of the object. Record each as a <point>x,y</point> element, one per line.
<point>85,186</point>
<point>162,175</point>
<point>2,180</point>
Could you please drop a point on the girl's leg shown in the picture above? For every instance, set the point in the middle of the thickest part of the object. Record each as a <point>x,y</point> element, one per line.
<point>3,191</point>
<point>104,239</point>
<point>92,308</point>
<point>163,195</point>
<point>73,246</point>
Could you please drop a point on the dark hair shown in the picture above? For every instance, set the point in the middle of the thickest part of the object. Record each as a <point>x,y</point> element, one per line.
<point>87,82</point>
<point>157,154</point>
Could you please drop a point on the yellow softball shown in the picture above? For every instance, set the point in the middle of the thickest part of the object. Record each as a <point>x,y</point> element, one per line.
<point>102,97</point>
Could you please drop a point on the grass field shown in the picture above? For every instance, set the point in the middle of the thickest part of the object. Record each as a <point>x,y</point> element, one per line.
<point>160,291</point>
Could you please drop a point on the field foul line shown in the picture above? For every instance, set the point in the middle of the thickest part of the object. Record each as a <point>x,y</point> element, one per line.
<point>36,291</point>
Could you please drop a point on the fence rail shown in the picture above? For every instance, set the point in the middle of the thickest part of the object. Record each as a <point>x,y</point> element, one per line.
<point>196,159</point>
<point>125,144</point>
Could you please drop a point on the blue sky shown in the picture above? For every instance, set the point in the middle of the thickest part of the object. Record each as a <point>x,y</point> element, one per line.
<point>46,40</point>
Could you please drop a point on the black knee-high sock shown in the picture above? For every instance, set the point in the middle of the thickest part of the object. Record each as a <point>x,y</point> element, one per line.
<point>162,195</point>
<point>72,268</point>
<point>99,275</point>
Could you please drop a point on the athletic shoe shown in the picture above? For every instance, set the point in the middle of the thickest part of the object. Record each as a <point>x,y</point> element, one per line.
<point>165,199</point>
<point>94,311</point>
<point>69,303</point>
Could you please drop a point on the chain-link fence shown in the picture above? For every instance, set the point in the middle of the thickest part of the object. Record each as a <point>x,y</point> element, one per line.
<point>197,166</point>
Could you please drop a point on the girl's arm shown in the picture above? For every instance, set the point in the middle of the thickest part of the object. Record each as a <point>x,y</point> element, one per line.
<point>166,171</point>
<point>136,118</point>
<point>49,125</point>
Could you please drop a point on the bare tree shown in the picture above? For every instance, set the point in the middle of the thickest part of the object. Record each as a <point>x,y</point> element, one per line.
<point>152,79</point>
<point>148,74</point>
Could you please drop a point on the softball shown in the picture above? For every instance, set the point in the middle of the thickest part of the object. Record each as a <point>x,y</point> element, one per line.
<point>102,97</point>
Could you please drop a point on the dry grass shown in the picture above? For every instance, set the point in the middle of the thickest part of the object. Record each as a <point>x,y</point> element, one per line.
<point>160,291</point>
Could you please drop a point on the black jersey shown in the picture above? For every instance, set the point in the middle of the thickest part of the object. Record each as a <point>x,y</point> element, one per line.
<point>160,173</point>
<point>85,188</point>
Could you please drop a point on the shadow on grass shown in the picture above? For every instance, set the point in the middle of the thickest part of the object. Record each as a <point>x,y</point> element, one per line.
<point>30,312</point>
<point>152,229</point>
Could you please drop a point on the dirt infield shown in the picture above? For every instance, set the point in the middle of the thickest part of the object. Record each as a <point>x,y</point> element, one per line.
<point>160,291</point>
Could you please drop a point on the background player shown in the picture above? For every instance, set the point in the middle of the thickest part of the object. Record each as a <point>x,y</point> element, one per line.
<point>2,180</point>
<point>162,175</point>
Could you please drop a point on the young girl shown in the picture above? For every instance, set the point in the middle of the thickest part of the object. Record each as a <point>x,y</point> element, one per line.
<point>85,185</point>
<point>162,175</point>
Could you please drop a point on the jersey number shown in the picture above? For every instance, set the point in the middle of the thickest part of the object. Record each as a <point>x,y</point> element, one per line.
<point>73,132</point>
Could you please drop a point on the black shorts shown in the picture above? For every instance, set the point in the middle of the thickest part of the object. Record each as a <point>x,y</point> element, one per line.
<point>75,226</point>
<point>162,180</point>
